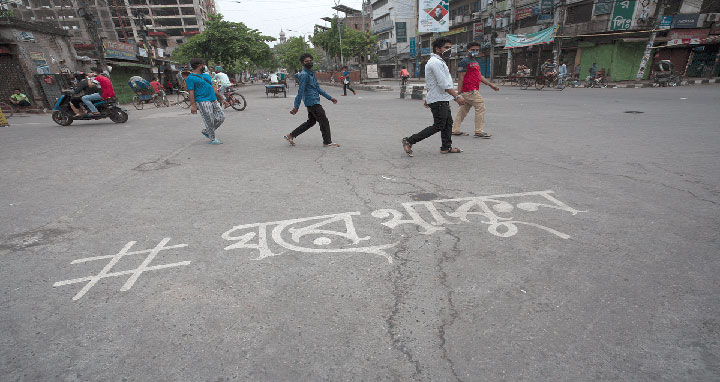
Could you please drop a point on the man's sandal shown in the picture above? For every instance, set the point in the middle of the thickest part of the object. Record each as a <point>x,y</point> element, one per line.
<point>289,139</point>
<point>331,145</point>
<point>407,147</point>
<point>483,135</point>
<point>463,134</point>
<point>453,150</point>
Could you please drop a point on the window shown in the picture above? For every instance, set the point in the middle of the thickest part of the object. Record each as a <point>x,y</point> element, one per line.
<point>710,6</point>
<point>579,13</point>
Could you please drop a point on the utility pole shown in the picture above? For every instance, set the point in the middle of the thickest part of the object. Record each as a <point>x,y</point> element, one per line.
<point>509,65</point>
<point>560,22</point>
<point>492,42</point>
<point>91,25</point>
<point>337,15</point>
<point>651,41</point>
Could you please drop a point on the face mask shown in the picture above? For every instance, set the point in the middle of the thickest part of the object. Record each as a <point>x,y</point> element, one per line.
<point>474,53</point>
<point>447,53</point>
<point>205,69</point>
<point>308,66</point>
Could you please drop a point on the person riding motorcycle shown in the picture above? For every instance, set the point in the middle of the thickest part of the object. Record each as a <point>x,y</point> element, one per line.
<point>86,86</point>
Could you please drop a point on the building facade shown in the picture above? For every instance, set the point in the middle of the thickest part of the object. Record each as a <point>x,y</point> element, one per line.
<point>394,23</point>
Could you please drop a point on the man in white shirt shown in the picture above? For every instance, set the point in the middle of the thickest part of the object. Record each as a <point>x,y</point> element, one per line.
<point>441,91</point>
<point>223,81</point>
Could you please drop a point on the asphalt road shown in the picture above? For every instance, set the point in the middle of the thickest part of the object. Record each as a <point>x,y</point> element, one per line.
<point>579,243</point>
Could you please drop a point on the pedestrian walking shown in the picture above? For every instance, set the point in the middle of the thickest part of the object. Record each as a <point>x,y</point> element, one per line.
<point>203,97</point>
<point>309,92</point>
<point>346,81</point>
<point>469,80</point>
<point>441,91</point>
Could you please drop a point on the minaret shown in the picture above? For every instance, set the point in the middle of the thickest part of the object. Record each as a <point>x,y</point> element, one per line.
<point>282,37</point>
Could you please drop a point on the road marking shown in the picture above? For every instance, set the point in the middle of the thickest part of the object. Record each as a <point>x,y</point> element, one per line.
<point>428,216</point>
<point>114,259</point>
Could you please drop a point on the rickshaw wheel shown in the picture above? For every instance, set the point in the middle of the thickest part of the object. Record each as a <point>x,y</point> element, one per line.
<point>137,103</point>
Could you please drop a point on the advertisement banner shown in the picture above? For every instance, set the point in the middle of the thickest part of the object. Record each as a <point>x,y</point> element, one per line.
<point>544,36</point>
<point>545,13</point>
<point>38,58</point>
<point>401,31</point>
<point>120,50</point>
<point>454,31</point>
<point>413,51</point>
<point>622,15</point>
<point>689,34</point>
<point>434,16</point>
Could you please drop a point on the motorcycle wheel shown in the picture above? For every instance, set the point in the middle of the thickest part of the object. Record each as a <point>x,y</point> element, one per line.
<point>118,115</point>
<point>237,101</point>
<point>61,118</point>
<point>137,103</point>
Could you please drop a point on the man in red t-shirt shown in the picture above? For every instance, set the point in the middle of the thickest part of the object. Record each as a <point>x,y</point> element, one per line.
<point>469,80</point>
<point>105,84</point>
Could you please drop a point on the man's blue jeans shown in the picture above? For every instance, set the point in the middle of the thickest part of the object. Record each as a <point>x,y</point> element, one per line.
<point>87,99</point>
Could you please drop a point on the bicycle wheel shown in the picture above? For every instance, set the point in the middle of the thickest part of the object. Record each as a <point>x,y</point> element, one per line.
<point>524,83</point>
<point>237,101</point>
<point>539,84</point>
<point>137,103</point>
<point>603,83</point>
<point>7,109</point>
<point>166,101</point>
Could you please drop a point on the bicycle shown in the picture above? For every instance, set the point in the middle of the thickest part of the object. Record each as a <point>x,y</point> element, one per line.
<point>8,109</point>
<point>551,81</point>
<point>597,82</point>
<point>234,100</point>
<point>183,99</point>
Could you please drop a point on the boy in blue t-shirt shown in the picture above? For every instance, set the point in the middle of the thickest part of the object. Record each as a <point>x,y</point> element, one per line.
<point>203,97</point>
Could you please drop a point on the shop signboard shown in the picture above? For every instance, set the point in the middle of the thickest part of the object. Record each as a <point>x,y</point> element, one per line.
<point>434,16</point>
<point>688,34</point>
<point>524,12</point>
<point>602,7</point>
<point>26,36</point>
<point>545,12</point>
<point>478,29</point>
<point>686,21</point>
<point>622,15</point>
<point>372,71</point>
<point>544,36</point>
<point>119,50</point>
<point>666,22</point>
<point>401,31</point>
<point>413,51</point>
<point>454,31</point>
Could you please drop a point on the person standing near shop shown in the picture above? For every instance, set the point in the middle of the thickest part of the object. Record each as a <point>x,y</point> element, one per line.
<point>309,93</point>
<point>203,97</point>
<point>441,91</point>
<point>469,80</point>
<point>346,81</point>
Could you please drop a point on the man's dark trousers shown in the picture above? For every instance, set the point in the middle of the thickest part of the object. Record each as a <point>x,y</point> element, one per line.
<point>316,113</point>
<point>442,122</point>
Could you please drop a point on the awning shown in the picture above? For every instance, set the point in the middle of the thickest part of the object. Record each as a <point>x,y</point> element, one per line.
<point>129,64</point>
<point>545,36</point>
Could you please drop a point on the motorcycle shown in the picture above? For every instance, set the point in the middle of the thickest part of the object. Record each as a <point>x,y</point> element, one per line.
<point>108,108</point>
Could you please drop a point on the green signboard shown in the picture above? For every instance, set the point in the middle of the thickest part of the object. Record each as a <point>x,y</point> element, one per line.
<point>622,15</point>
<point>544,36</point>
<point>401,32</point>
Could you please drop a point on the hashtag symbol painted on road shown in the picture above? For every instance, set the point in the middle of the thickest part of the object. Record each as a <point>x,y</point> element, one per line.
<point>114,259</point>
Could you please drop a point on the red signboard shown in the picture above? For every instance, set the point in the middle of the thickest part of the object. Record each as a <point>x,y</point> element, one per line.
<point>524,12</point>
<point>688,34</point>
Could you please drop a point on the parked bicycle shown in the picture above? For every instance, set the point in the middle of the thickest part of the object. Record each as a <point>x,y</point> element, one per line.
<point>8,109</point>
<point>183,99</point>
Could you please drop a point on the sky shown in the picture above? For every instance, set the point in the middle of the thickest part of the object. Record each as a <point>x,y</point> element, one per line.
<point>295,17</point>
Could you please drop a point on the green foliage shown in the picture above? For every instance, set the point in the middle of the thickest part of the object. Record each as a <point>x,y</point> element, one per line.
<point>288,54</point>
<point>232,45</point>
<point>355,43</point>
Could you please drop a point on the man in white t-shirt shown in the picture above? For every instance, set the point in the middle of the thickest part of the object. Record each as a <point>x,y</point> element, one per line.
<point>440,91</point>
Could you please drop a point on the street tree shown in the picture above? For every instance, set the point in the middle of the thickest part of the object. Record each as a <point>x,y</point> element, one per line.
<point>355,43</point>
<point>288,54</point>
<point>231,44</point>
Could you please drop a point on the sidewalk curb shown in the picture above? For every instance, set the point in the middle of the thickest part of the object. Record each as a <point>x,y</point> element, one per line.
<point>356,86</point>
